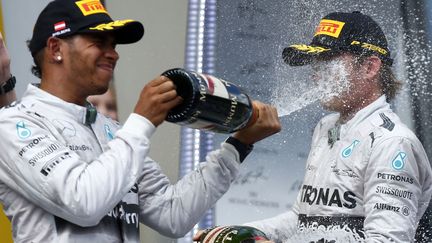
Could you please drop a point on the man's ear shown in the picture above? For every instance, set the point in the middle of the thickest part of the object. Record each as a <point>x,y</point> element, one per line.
<point>372,67</point>
<point>54,50</point>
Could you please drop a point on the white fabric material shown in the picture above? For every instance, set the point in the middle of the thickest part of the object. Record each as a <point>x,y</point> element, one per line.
<point>377,172</point>
<point>64,181</point>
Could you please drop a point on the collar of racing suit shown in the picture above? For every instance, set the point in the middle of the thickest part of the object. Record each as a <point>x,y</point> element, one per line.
<point>361,115</point>
<point>85,115</point>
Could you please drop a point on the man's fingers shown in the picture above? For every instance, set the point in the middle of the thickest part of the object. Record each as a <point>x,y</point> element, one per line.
<point>159,81</point>
<point>168,96</point>
<point>2,45</point>
<point>3,51</point>
<point>197,236</point>
<point>166,86</point>
<point>173,103</point>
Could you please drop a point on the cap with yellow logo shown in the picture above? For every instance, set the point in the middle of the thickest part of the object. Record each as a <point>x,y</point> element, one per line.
<point>62,18</point>
<point>341,32</point>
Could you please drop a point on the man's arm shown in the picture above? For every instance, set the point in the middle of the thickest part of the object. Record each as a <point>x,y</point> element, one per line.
<point>5,75</point>
<point>397,189</point>
<point>278,228</point>
<point>39,164</point>
<point>173,210</point>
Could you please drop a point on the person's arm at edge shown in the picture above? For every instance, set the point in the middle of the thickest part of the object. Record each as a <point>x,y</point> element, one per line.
<point>278,228</point>
<point>5,75</point>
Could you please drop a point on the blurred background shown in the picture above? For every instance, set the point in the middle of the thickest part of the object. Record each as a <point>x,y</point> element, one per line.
<point>241,41</point>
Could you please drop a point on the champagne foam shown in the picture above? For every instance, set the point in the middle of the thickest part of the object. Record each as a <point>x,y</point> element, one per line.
<point>330,234</point>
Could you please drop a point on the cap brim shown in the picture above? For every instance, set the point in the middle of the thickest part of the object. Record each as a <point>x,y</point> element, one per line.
<point>125,31</point>
<point>299,55</point>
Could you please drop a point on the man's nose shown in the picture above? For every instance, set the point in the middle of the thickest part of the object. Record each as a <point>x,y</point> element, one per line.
<point>112,54</point>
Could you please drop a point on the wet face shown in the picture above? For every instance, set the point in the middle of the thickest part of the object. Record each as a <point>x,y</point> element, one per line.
<point>90,62</point>
<point>340,82</point>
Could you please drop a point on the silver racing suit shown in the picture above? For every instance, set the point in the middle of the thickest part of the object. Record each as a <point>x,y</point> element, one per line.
<point>370,175</point>
<point>66,178</point>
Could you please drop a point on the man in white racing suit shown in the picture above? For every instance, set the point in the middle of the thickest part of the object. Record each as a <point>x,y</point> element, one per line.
<point>69,174</point>
<point>366,174</point>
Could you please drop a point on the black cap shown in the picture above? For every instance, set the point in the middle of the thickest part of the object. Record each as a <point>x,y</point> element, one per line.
<point>62,18</point>
<point>341,32</point>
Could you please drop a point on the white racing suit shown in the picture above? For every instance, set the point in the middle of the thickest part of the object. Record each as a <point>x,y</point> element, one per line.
<point>372,177</point>
<point>62,180</point>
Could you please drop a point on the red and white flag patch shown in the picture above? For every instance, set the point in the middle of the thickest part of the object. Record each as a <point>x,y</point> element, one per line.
<point>60,26</point>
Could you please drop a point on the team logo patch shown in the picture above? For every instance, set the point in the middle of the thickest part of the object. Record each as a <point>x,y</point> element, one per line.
<point>60,26</point>
<point>348,150</point>
<point>89,7</point>
<point>399,161</point>
<point>387,123</point>
<point>108,132</point>
<point>329,27</point>
<point>22,131</point>
<point>52,164</point>
<point>406,210</point>
<point>65,128</point>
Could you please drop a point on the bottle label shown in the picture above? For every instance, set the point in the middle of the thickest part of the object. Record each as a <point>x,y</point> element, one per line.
<point>215,86</point>
<point>200,124</point>
<point>233,234</point>
<point>212,235</point>
<point>210,103</point>
<point>221,88</point>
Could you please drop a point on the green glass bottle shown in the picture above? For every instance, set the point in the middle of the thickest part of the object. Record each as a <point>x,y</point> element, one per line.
<point>210,103</point>
<point>232,234</point>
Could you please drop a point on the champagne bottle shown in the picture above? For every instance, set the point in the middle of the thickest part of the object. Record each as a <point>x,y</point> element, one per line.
<point>209,103</point>
<point>232,234</point>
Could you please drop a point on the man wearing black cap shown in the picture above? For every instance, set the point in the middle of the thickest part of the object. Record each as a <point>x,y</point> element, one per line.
<point>69,174</point>
<point>367,175</point>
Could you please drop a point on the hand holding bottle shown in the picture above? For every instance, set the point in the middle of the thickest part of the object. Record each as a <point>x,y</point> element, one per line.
<point>266,124</point>
<point>157,98</point>
<point>210,103</point>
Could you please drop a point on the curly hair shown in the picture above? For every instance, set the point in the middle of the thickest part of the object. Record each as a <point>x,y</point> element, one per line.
<point>390,85</point>
<point>36,68</point>
<point>37,60</point>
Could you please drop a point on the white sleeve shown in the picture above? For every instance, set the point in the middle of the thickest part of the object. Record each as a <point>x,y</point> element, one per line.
<point>396,190</point>
<point>278,228</point>
<point>39,165</point>
<point>173,210</point>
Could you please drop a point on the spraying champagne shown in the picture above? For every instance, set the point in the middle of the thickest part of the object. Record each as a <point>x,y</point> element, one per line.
<point>210,103</point>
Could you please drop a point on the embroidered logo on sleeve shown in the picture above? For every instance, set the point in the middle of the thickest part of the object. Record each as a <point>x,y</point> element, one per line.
<point>22,131</point>
<point>348,150</point>
<point>399,161</point>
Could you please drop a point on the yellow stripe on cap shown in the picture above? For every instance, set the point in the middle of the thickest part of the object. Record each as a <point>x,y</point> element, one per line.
<point>329,27</point>
<point>370,47</point>
<point>111,25</point>
<point>89,7</point>
<point>310,49</point>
